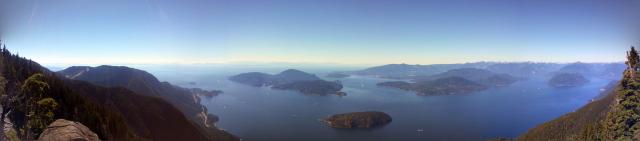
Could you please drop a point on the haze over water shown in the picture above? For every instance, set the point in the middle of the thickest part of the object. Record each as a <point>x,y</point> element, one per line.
<point>263,114</point>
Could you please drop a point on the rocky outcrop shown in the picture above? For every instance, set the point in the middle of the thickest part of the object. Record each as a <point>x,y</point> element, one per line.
<point>64,130</point>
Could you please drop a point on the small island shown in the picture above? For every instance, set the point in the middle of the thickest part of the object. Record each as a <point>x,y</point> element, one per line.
<point>314,87</point>
<point>358,120</point>
<point>442,86</point>
<point>566,80</point>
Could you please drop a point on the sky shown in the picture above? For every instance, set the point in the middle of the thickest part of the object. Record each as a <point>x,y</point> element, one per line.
<point>351,32</point>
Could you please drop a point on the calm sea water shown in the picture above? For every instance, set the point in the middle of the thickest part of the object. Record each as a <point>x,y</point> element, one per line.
<point>262,114</point>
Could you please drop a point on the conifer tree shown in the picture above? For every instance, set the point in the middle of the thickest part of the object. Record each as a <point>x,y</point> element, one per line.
<point>632,62</point>
<point>35,104</point>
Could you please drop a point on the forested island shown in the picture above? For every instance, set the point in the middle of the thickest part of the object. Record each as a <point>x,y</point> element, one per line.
<point>291,79</point>
<point>317,87</point>
<point>355,120</point>
<point>442,86</point>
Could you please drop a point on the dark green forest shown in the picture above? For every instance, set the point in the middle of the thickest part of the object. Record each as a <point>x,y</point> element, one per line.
<point>32,97</point>
<point>108,124</point>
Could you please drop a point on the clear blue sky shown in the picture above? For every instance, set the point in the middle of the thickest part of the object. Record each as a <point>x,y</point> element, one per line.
<point>318,31</point>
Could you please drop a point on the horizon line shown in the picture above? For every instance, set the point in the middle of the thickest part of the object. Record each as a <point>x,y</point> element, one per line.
<point>309,63</point>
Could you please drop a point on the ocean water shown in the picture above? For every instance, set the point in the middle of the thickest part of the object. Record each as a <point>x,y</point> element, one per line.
<point>262,114</point>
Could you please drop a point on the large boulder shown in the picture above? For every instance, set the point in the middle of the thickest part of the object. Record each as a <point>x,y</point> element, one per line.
<point>64,130</point>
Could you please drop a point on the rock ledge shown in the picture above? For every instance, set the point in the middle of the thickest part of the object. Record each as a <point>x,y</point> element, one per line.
<point>64,130</point>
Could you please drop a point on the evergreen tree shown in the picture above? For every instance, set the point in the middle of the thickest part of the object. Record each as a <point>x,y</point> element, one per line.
<point>42,115</point>
<point>623,121</point>
<point>34,106</point>
<point>632,61</point>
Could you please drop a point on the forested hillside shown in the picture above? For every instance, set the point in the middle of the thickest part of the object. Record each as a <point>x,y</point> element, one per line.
<point>144,83</point>
<point>614,117</point>
<point>114,113</point>
<point>107,123</point>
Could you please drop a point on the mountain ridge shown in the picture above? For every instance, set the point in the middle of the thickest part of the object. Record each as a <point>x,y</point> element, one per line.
<point>108,111</point>
<point>142,82</point>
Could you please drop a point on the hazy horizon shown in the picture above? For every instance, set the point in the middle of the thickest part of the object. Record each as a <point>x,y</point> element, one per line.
<point>318,32</point>
<point>280,65</point>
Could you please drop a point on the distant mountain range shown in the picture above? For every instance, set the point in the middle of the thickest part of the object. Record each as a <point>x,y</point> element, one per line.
<point>405,71</point>
<point>455,81</point>
<point>290,79</point>
<point>472,77</point>
<point>521,70</point>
